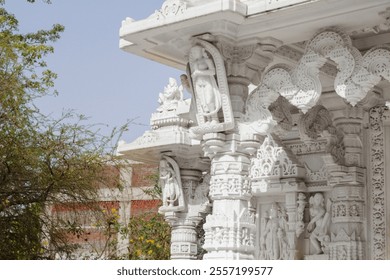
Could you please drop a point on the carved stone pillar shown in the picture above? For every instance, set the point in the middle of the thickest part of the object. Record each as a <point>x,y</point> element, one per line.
<point>184,241</point>
<point>185,219</point>
<point>230,230</point>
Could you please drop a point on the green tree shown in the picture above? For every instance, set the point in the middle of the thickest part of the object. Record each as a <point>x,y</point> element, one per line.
<point>43,161</point>
<point>150,237</point>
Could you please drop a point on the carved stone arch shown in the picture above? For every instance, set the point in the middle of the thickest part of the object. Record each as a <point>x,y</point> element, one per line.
<point>301,86</point>
<point>357,74</point>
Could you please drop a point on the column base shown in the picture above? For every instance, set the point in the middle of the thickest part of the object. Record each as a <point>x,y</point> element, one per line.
<point>316,257</point>
<point>227,255</point>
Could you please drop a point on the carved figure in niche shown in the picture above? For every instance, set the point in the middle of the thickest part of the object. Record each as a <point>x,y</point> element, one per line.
<point>170,181</point>
<point>354,211</point>
<point>318,225</point>
<point>170,97</point>
<point>273,240</point>
<point>205,86</point>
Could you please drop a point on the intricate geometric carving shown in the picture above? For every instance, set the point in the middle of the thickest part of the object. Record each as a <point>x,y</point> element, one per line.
<point>355,77</point>
<point>378,215</point>
<point>229,186</point>
<point>273,162</point>
<point>345,247</point>
<point>171,8</point>
<point>320,175</point>
<point>226,233</point>
<point>347,211</point>
<point>300,86</point>
<point>210,88</point>
<point>308,147</point>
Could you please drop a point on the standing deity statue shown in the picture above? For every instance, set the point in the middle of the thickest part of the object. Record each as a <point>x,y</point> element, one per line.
<point>170,97</point>
<point>170,181</point>
<point>318,225</point>
<point>273,239</point>
<point>205,87</point>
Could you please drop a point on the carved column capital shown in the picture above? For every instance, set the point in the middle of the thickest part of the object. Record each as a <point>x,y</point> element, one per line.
<point>247,59</point>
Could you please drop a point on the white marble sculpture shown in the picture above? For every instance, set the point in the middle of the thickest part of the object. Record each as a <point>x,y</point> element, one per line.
<point>319,222</point>
<point>274,244</point>
<point>205,85</point>
<point>169,98</point>
<point>170,181</point>
<point>210,89</point>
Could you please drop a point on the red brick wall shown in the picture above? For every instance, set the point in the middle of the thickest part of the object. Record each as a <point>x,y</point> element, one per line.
<point>144,175</point>
<point>144,206</point>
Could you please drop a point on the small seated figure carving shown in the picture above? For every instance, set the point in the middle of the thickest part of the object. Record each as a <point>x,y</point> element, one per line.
<point>170,97</point>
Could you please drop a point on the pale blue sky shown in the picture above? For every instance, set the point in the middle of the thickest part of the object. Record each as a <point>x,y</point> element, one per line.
<point>96,78</point>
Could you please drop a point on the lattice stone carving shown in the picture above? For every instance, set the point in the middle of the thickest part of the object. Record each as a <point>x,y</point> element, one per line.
<point>356,75</point>
<point>377,190</point>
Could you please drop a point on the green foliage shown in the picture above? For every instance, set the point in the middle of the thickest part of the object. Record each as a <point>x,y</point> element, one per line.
<point>43,162</point>
<point>150,237</point>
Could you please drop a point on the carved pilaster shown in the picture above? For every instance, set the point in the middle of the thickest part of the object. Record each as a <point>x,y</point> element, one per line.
<point>350,122</point>
<point>377,182</point>
<point>347,239</point>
